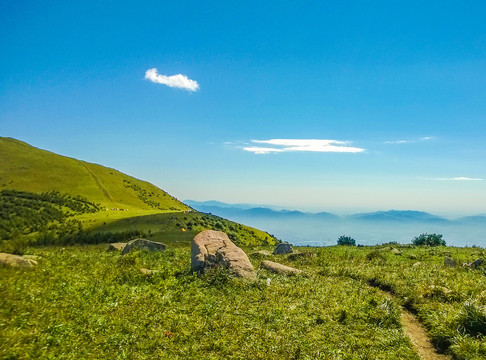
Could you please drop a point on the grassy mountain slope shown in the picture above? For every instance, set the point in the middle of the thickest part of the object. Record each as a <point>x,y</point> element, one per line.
<point>57,199</point>
<point>27,168</point>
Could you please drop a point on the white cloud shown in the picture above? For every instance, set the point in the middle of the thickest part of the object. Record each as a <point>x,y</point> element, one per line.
<point>295,145</point>
<point>178,81</point>
<point>459,178</point>
<point>425,138</point>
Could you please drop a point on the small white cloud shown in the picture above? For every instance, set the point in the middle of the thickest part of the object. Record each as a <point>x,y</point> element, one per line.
<point>301,145</point>
<point>178,81</point>
<point>459,178</point>
<point>426,138</point>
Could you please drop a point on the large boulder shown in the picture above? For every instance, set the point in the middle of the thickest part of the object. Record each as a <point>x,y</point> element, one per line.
<point>142,244</point>
<point>279,268</point>
<point>212,248</point>
<point>284,248</point>
<point>16,261</point>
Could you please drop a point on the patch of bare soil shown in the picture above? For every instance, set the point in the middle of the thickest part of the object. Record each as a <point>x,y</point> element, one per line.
<point>417,334</point>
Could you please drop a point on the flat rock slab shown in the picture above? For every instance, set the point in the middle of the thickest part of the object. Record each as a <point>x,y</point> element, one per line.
<point>116,246</point>
<point>298,255</point>
<point>212,248</point>
<point>284,248</point>
<point>279,268</point>
<point>260,254</point>
<point>16,261</point>
<point>142,244</point>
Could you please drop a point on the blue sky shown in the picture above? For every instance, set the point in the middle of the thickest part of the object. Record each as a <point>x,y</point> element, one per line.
<point>393,95</point>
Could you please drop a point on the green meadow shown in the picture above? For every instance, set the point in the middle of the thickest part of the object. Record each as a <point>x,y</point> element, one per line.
<point>85,302</point>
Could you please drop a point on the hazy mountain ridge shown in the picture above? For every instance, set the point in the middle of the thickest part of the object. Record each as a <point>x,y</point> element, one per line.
<point>217,207</point>
<point>319,229</point>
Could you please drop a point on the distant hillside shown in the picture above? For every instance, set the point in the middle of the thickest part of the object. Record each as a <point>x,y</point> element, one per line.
<point>47,198</point>
<point>398,215</point>
<point>246,211</point>
<point>27,168</point>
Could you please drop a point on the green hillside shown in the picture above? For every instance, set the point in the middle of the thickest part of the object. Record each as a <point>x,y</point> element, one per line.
<point>27,168</point>
<point>48,198</point>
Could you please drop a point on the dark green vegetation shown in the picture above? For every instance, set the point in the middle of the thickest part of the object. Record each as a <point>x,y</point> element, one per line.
<point>83,302</point>
<point>429,240</point>
<point>46,198</point>
<point>22,212</point>
<point>346,240</point>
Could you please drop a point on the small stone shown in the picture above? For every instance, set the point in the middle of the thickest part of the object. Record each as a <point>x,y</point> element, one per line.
<point>142,244</point>
<point>418,263</point>
<point>284,248</point>
<point>279,268</point>
<point>297,255</point>
<point>449,262</point>
<point>395,251</point>
<point>16,261</point>
<point>260,254</point>
<point>116,246</point>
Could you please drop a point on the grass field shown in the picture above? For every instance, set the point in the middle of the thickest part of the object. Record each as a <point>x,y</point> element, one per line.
<point>84,302</point>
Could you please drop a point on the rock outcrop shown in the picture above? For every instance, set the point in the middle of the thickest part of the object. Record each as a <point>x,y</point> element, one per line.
<point>142,244</point>
<point>279,268</point>
<point>16,261</point>
<point>284,248</point>
<point>212,248</point>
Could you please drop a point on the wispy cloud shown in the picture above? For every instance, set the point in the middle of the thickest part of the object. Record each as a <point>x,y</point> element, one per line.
<point>459,178</point>
<point>426,138</point>
<point>302,145</point>
<point>178,81</point>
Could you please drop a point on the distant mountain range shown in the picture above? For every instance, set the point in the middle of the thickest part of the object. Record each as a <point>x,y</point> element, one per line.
<point>323,228</point>
<point>248,210</point>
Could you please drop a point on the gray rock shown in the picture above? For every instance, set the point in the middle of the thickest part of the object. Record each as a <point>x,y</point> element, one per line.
<point>477,262</point>
<point>16,261</point>
<point>449,262</point>
<point>284,248</point>
<point>279,268</point>
<point>116,246</point>
<point>212,248</point>
<point>142,244</point>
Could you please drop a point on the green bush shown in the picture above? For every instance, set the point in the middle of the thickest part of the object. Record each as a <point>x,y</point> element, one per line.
<point>346,240</point>
<point>429,240</point>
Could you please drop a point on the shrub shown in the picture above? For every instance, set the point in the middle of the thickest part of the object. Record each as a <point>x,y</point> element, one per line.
<point>346,240</point>
<point>429,240</point>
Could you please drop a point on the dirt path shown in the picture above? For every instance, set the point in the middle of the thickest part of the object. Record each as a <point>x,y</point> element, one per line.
<point>417,334</point>
<point>415,331</point>
<point>97,181</point>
